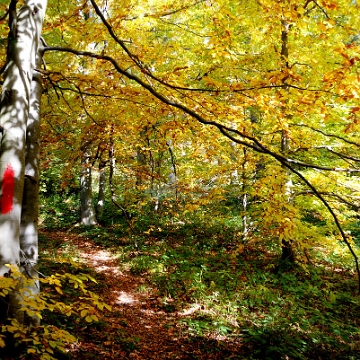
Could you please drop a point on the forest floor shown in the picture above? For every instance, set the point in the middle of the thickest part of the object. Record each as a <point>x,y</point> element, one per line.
<point>139,326</point>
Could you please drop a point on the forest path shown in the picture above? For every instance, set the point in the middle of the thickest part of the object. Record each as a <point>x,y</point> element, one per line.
<point>138,326</point>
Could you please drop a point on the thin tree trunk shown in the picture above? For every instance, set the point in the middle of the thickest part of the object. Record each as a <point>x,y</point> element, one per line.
<point>244,197</point>
<point>88,216</point>
<point>141,164</point>
<point>246,182</point>
<point>111,185</point>
<point>287,248</point>
<point>173,181</point>
<point>102,188</point>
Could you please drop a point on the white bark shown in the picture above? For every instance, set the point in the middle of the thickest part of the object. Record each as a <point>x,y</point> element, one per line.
<point>102,188</point>
<point>30,203</point>
<point>13,119</point>
<point>88,216</point>
<point>244,197</point>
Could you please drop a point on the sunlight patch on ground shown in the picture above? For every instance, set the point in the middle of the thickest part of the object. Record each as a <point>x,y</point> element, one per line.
<point>108,269</point>
<point>191,310</point>
<point>99,256</point>
<point>102,262</point>
<point>150,312</point>
<point>124,298</point>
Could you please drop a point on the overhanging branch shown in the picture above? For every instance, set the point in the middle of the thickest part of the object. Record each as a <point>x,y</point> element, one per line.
<point>327,134</point>
<point>232,134</point>
<point>330,194</point>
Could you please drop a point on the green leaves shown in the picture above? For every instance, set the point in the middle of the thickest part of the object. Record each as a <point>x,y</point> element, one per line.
<point>43,341</point>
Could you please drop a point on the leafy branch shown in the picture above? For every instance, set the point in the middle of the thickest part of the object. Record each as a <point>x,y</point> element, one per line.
<point>330,194</point>
<point>327,134</point>
<point>145,69</point>
<point>230,133</point>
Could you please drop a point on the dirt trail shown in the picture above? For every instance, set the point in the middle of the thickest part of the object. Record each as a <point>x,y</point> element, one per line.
<point>137,315</point>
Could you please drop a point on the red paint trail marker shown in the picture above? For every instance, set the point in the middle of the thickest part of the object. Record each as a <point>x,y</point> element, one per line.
<point>7,190</point>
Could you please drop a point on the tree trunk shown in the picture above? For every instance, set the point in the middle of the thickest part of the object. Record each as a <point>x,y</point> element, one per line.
<point>30,203</point>
<point>88,216</point>
<point>23,43</point>
<point>287,248</point>
<point>102,187</point>
<point>244,197</point>
<point>141,164</point>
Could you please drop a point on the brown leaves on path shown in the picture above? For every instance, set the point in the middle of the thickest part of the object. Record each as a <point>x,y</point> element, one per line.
<point>138,326</point>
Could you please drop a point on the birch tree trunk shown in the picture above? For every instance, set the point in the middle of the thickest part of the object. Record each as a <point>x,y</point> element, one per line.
<point>30,203</point>
<point>23,44</point>
<point>25,30</point>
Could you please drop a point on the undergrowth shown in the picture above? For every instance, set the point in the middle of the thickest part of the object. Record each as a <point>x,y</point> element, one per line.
<point>223,290</point>
<point>63,296</point>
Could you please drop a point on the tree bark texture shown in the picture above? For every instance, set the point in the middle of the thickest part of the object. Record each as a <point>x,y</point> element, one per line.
<point>30,203</point>
<point>25,31</point>
<point>88,216</point>
<point>288,253</point>
<point>102,188</point>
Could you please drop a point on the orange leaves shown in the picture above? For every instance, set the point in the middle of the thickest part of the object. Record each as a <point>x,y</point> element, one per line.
<point>355,109</point>
<point>354,120</point>
<point>330,5</point>
<point>349,61</point>
<point>178,69</point>
<point>333,78</point>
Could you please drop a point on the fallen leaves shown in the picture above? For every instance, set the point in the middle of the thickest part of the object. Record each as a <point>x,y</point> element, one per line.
<point>138,327</point>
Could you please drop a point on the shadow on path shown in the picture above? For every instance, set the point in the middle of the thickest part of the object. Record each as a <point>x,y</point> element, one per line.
<point>138,327</point>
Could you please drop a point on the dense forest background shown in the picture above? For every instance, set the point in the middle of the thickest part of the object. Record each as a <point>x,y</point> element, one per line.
<point>202,158</point>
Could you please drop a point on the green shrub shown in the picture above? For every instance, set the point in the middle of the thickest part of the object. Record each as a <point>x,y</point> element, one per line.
<point>45,341</point>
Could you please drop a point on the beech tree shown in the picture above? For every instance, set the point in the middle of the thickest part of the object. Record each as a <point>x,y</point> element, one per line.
<point>24,37</point>
<point>19,114</point>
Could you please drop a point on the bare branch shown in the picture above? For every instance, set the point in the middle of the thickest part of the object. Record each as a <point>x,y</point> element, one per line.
<point>331,211</point>
<point>85,93</point>
<point>345,157</point>
<point>12,19</point>
<point>327,134</point>
<point>2,18</point>
<point>113,35</point>
<point>331,194</point>
<point>84,106</point>
<point>145,69</point>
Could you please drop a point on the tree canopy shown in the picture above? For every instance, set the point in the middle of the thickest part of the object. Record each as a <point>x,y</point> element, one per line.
<point>215,79</point>
<point>196,108</point>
